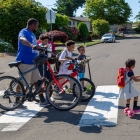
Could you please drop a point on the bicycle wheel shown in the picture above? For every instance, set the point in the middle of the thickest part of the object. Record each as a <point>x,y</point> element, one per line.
<point>66,100</point>
<point>34,97</point>
<point>9,98</point>
<point>88,89</point>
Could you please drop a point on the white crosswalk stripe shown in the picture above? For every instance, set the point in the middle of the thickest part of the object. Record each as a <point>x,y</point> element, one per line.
<point>101,110</point>
<point>13,120</point>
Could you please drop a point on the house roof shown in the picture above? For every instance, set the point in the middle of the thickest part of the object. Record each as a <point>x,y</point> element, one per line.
<point>80,18</point>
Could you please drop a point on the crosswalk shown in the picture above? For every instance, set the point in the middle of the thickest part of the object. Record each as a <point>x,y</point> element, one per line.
<point>101,110</point>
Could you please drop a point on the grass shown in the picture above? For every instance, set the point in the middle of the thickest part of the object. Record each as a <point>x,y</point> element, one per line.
<point>57,51</point>
<point>89,43</point>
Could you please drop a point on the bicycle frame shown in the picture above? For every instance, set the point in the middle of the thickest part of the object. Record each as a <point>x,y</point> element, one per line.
<point>53,76</point>
<point>26,83</point>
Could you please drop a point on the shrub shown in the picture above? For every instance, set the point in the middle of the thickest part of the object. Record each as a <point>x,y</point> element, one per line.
<point>137,30</point>
<point>6,47</point>
<point>83,29</point>
<point>58,36</point>
<point>100,27</point>
<point>14,15</point>
<point>90,36</point>
<point>72,32</point>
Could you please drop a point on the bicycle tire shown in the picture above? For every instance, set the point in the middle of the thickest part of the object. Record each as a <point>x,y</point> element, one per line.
<point>34,98</point>
<point>91,87</point>
<point>71,100</point>
<point>9,89</point>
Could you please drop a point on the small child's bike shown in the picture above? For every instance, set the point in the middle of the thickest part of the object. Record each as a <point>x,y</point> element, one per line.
<point>130,113</point>
<point>88,86</point>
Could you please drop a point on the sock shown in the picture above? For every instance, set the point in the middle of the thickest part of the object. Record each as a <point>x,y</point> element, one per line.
<point>42,99</point>
<point>135,103</point>
<point>127,105</point>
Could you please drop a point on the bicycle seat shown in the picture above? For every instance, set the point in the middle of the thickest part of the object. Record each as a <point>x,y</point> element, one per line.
<point>14,64</point>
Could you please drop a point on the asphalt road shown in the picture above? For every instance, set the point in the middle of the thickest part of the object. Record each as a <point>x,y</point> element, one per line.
<point>52,124</point>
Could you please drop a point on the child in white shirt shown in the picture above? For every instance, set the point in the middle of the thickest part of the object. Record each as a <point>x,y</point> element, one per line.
<point>65,57</point>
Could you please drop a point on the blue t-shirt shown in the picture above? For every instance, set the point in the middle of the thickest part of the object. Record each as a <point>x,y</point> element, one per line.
<point>81,68</point>
<point>26,54</point>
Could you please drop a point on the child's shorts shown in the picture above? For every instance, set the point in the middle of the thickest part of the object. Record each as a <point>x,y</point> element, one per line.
<point>81,75</point>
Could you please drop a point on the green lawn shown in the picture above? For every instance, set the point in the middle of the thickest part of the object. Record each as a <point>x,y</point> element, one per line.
<point>57,51</point>
<point>94,42</point>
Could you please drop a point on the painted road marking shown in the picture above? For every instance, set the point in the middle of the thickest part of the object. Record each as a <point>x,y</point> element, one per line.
<point>13,120</point>
<point>102,109</point>
<point>1,92</point>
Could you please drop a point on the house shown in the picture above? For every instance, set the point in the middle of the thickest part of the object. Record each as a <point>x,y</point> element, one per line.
<point>128,26</point>
<point>74,21</point>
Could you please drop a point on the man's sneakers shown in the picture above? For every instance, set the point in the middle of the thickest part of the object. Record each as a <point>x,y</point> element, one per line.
<point>136,107</point>
<point>44,104</point>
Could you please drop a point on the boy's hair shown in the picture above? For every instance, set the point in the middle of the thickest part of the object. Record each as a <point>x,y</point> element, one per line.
<point>43,37</point>
<point>31,21</point>
<point>69,43</point>
<point>130,62</point>
<point>80,48</point>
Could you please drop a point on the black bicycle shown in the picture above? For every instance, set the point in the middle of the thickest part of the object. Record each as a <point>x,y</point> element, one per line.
<point>63,85</point>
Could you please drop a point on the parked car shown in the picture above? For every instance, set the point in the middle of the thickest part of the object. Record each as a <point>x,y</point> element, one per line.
<point>108,38</point>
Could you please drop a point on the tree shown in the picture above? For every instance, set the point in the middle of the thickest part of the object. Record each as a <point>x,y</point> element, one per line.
<point>14,15</point>
<point>137,17</point>
<point>83,30</point>
<point>100,27</point>
<point>113,11</point>
<point>68,7</point>
<point>60,21</point>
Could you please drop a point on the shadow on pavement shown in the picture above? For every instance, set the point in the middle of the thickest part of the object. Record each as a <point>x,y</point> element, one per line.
<point>2,112</point>
<point>93,129</point>
<point>63,117</point>
<point>1,73</point>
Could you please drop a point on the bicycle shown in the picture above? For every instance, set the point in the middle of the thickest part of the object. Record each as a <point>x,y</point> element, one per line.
<point>63,85</point>
<point>88,88</point>
<point>87,85</point>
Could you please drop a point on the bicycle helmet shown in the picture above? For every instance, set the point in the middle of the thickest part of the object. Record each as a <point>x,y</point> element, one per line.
<point>41,59</point>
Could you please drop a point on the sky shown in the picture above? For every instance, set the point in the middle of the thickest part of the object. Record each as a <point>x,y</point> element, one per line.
<point>135,6</point>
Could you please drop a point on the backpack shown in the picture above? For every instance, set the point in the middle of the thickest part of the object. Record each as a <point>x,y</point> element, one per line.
<point>121,77</point>
<point>58,63</point>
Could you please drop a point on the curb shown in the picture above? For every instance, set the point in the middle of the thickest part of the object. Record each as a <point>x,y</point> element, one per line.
<point>7,54</point>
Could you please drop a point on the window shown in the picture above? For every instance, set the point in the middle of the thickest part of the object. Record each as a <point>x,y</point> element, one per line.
<point>73,23</point>
<point>69,23</point>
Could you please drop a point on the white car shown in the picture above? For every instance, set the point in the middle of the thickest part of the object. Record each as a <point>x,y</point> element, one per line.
<point>108,38</point>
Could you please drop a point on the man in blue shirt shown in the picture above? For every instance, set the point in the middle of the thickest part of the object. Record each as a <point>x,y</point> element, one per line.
<point>26,54</point>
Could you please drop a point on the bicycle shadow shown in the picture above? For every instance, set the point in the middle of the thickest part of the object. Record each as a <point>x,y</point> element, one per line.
<point>2,112</point>
<point>101,102</point>
<point>72,117</point>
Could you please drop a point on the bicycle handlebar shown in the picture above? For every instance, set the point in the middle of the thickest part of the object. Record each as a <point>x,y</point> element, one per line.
<point>77,62</point>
